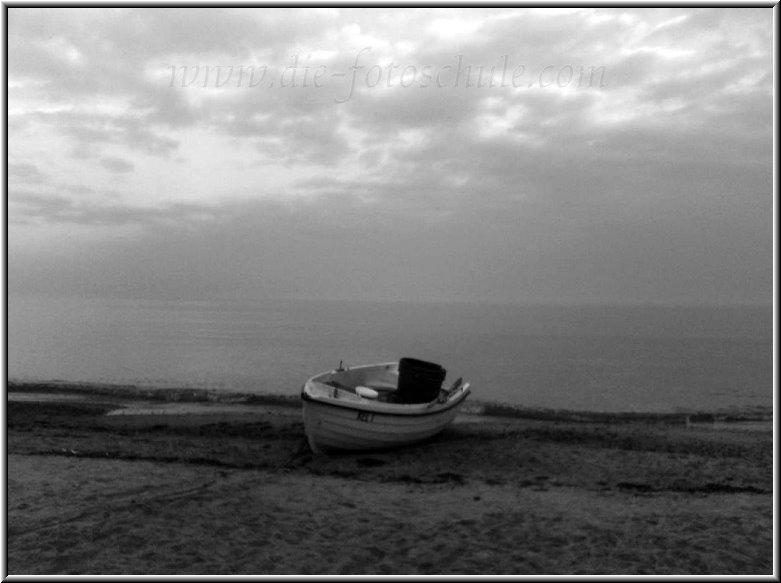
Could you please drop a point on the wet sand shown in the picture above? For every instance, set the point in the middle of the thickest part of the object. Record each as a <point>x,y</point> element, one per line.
<point>216,489</point>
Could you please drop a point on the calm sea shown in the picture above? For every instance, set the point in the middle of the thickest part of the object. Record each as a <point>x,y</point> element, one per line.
<point>649,359</point>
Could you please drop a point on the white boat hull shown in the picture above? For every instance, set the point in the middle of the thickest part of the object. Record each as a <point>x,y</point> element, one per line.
<point>339,419</point>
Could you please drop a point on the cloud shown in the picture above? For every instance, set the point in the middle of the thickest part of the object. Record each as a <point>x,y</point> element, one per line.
<point>116,165</point>
<point>48,207</point>
<point>344,249</point>
<point>25,173</point>
<point>88,132</point>
<point>541,151</point>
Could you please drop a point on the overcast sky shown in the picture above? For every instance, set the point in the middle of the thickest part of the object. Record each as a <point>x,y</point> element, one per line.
<point>503,154</point>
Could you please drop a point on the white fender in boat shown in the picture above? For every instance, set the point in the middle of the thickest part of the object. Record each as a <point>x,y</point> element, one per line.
<point>366,392</point>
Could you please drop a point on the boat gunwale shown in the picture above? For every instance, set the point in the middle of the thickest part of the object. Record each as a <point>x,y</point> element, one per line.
<point>371,407</point>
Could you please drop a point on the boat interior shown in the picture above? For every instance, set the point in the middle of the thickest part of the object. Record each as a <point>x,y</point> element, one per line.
<point>382,383</point>
<point>372,382</point>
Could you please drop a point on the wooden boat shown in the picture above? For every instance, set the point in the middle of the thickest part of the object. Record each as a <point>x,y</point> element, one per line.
<point>378,406</point>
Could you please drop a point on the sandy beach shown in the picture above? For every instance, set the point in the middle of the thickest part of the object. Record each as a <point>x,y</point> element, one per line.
<point>233,489</point>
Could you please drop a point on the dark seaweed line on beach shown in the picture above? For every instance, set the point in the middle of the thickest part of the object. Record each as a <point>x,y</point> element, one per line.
<point>296,461</point>
<point>440,478</point>
<point>131,457</point>
<point>473,407</point>
<point>710,488</point>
